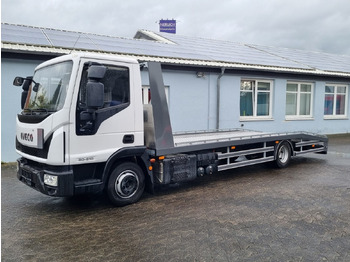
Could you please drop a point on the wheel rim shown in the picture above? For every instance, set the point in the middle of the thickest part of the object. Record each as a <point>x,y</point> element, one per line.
<point>126,184</point>
<point>283,154</point>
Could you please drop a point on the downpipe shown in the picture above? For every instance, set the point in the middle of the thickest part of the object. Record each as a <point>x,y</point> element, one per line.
<point>218,86</point>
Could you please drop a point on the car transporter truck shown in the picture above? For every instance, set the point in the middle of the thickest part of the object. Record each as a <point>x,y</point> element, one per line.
<point>84,129</point>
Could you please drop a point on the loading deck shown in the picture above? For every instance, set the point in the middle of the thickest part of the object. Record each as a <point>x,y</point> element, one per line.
<point>208,137</point>
<point>204,140</point>
<point>261,149</point>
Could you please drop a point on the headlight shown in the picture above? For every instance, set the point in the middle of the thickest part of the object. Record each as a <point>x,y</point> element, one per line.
<point>50,180</point>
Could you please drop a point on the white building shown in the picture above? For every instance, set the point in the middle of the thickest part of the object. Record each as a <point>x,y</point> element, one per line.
<point>211,84</point>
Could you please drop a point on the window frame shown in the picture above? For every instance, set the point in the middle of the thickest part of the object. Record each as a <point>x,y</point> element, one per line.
<point>298,116</point>
<point>84,81</point>
<point>256,117</point>
<point>107,110</point>
<point>334,115</point>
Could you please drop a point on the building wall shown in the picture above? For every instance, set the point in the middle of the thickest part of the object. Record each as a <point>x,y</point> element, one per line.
<point>192,103</point>
<point>11,102</point>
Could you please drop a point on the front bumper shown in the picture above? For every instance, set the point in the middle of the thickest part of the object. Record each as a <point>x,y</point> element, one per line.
<point>32,174</point>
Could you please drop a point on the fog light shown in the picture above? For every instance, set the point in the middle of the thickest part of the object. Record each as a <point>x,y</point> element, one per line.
<point>50,180</point>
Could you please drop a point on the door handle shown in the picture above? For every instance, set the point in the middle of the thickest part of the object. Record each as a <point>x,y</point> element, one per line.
<point>128,139</point>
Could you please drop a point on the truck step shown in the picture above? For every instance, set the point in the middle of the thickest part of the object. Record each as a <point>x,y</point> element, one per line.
<point>87,182</point>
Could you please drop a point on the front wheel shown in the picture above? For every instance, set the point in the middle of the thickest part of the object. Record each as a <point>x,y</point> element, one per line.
<point>283,155</point>
<point>126,184</point>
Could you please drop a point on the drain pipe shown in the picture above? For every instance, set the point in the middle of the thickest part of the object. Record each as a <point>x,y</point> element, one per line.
<point>218,98</point>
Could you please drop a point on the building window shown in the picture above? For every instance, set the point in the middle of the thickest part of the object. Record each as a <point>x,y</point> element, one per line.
<point>299,99</point>
<point>255,99</point>
<point>335,102</point>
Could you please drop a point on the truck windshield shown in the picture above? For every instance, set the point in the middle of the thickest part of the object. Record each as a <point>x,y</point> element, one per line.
<point>49,87</point>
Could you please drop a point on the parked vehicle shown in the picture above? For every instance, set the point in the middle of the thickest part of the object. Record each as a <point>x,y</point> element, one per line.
<point>84,129</point>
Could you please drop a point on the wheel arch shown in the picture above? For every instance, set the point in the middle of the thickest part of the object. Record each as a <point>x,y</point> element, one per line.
<point>290,146</point>
<point>136,155</point>
<point>283,160</point>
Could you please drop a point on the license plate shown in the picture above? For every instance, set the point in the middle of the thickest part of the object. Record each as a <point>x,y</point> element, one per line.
<point>28,176</point>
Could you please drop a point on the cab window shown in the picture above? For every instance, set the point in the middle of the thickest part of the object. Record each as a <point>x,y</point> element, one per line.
<point>116,98</point>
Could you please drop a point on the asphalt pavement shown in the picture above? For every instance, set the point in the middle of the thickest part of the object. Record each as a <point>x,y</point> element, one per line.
<point>258,213</point>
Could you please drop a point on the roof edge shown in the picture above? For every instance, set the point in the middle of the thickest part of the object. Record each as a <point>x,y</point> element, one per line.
<point>170,60</point>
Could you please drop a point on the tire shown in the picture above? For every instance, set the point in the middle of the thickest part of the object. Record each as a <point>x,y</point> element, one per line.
<point>283,155</point>
<point>126,184</point>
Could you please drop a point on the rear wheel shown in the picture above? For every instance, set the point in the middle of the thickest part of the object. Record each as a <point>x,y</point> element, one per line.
<point>283,155</point>
<point>126,184</point>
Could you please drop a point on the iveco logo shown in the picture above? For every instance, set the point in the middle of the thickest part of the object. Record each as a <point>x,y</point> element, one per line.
<point>27,137</point>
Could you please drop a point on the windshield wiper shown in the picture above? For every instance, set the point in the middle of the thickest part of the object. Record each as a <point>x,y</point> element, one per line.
<point>40,111</point>
<point>37,111</point>
<point>27,111</point>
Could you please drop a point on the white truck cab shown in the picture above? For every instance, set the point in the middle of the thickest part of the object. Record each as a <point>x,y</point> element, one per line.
<point>59,132</point>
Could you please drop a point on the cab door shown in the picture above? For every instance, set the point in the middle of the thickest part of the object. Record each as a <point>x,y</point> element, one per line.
<point>112,125</point>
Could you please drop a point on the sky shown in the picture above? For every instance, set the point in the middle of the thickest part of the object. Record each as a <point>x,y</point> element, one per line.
<point>316,25</point>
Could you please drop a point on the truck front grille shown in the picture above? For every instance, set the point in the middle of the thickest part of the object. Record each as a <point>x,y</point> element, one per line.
<point>42,153</point>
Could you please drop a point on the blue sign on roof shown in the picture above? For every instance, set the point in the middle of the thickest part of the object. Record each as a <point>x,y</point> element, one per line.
<point>167,26</point>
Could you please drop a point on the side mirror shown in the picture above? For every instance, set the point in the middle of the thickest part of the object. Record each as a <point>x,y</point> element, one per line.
<point>27,82</point>
<point>94,95</point>
<point>96,72</point>
<point>94,88</point>
<point>94,100</point>
<point>23,98</point>
<point>18,81</point>
<point>36,87</point>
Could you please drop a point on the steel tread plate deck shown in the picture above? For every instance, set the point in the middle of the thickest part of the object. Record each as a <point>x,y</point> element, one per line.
<point>209,137</point>
<point>190,142</point>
